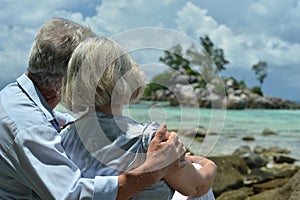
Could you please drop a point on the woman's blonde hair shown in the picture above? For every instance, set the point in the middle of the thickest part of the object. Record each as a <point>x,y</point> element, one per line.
<point>100,72</point>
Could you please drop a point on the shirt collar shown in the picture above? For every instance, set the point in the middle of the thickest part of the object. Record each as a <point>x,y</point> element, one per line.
<point>35,95</point>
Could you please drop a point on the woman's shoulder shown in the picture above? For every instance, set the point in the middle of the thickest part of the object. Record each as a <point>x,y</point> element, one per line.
<point>68,133</point>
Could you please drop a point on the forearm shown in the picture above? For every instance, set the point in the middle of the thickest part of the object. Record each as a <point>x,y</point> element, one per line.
<point>208,171</point>
<point>132,182</point>
<point>191,182</point>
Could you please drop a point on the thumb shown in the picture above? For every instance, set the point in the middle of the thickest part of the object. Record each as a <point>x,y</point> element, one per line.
<point>161,132</point>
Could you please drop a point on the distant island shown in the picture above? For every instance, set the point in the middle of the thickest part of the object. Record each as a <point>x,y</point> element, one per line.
<point>192,80</point>
<point>235,95</point>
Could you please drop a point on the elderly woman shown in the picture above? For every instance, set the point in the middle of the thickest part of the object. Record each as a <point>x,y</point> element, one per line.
<point>102,78</point>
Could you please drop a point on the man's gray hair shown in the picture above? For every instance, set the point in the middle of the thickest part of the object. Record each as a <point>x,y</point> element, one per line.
<point>52,49</point>
<point>100,72</point>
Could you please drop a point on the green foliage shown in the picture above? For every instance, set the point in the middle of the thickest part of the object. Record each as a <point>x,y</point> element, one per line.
<point>257,90</point>
<point>207,44</point>
<point>203,62</point>
<point>174,59</point>
<point>201,84</point>
<point>260,70</point>
<point>207,59</point>
<point>192,72</point>
<point>163,78</point>
<point>243,84</point>
<point>236,84</point>
<point>160,81</point>
<point>215,54</point>
<point>151,88</point>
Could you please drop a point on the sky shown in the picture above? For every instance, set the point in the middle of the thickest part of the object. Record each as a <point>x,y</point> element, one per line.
<point>247,30</point>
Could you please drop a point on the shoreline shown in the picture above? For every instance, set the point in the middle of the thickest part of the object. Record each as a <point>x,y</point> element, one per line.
<point>249,171</point>
<point>255,174</point>
<point>225,143</point>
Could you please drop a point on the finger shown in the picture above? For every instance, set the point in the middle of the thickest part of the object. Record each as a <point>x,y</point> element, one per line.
<point>174,140</point>
<point>191,158</point>
<point>182,149</point>
<point>197,159</point>
<point>173,137</point>
<point>161,132</point>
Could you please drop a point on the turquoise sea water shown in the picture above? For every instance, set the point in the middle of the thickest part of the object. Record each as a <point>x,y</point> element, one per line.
<point>228,126</point>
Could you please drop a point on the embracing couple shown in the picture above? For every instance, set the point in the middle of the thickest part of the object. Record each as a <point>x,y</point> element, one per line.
<point>45,154</point>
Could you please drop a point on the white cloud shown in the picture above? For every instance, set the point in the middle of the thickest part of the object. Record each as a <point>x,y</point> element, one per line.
<point>118,15</point>
<point>250,47</point>
<point>194,20</point>
<point>29,13</point>
<point>14,50</point>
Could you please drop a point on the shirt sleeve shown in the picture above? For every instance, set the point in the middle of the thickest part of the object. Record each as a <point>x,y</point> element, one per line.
<point>148,133</point>
<point>44,167</point>
<point>63,118</point>
<point>106,187</point>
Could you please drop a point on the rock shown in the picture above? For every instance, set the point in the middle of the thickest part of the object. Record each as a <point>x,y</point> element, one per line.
<point>230,91</point>
<point>262,102</point>
<point>202,93</point>
<point>235,102</point>
<point>267,195</point>
<point>194,132</point>
<point>173,100</point>
<point>276,183</point>
<point>185,95</point>
<point>238,194</point>
<point>211,87</point>
<point>216,101</point>
<point>248,138</point>
<point>258,175</point>
<point>258,149</point>
<point>252,159</point>
<point>274,150</point>
<point>230,82</point>
<point>193,79</point>
<point>268,132</point>
<point>255,160</point>
<point>242,151</point>
<point>227,178</point>
<point>291,190</point>
<point>283,170</point>
<point>283,159</point>
<point>159,94</point>
<point>229,175</point>
<point>235,161</point>
<point>199,139</point>
<point>180,79</point>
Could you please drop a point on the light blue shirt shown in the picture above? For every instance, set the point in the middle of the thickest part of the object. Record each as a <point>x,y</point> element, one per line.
<point>33,163</point>
<point>105,145</point>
